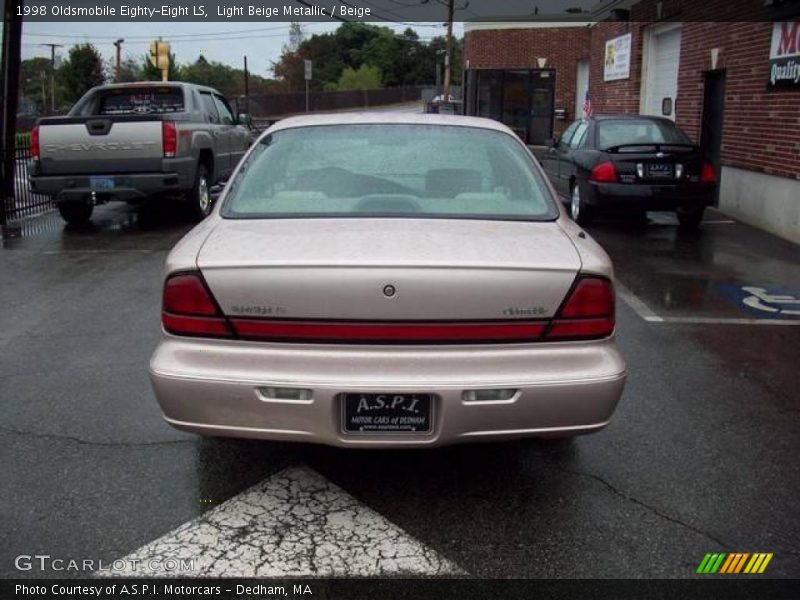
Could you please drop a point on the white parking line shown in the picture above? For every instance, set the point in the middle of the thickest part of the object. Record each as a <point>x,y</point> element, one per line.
<point>637,304</point>
<point>295,523</point>
<point>728,321</point>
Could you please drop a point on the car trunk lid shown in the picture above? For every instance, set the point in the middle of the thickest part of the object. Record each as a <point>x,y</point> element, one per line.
<point>430,270</point>
<point>656,163</point>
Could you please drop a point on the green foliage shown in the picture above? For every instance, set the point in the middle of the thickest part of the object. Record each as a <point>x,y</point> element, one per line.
<point>401,58</point>
<point>366,77</point>
<point>82,70</point>
<point>224,78</point>
<point>150,72</point>
<point>129,70</point>
<point>23,140</point>
<point>35,82</point>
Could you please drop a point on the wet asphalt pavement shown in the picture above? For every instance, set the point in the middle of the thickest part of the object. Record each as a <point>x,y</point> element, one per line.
<point>702,455</point>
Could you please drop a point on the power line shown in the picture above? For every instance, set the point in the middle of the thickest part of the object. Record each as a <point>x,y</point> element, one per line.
<point>171,36</point>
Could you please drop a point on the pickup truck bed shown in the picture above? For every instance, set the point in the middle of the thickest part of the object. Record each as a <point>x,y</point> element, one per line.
<point>134,141</point>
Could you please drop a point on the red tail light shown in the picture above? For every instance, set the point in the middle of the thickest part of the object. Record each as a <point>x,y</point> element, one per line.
<point>188,308</point>
<point>35,142</point>
<point>707,175</point>
<point>169,137</point>
<point>588,313</point>
<point>604,173</point>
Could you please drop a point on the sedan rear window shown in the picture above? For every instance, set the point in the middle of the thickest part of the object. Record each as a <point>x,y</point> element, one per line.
<point>612,133</point>
<point>389,170</point>
<point>141,101</point>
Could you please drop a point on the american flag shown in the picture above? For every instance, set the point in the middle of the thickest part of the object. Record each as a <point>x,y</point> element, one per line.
<point>587,105</point>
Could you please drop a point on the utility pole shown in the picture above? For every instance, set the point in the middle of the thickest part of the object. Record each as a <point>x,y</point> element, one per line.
<point>246,88</point>
<point>9,94</point>
<point>52,74</point>
<point>448,60</point>
<point>118,46</point>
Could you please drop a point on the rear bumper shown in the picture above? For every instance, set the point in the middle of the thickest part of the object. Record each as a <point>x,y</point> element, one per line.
<point>212,388</point>
<point>650,197</point>
<point>178,175</point>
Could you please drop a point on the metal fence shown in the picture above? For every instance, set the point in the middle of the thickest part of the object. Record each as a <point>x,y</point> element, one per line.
<point>286,104</point>
<point>24,203</point>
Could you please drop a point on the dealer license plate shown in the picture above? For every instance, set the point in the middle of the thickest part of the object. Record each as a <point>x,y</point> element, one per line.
<point>101,183</point>
<point>660,170</point>
<point>387,413</point>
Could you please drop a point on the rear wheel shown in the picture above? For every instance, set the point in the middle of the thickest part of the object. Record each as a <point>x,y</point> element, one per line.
<point>75,213</point>
<point>199,197</point>
<point>689,219</point>
<point>578,210</point>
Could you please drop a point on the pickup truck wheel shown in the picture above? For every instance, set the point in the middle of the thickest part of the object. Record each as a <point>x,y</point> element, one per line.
<point>199,198</point>
<point>75,213</point>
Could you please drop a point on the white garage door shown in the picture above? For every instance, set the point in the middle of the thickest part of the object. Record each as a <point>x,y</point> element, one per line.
<point>664,53</point>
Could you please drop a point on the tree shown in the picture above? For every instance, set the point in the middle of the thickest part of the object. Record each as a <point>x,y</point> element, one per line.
<point>213,74</point>
<point>130,69</point>
<point>149,72</point>
<point>34,82</point>
<point>296,36</point>
<point>82,70</point>
<point>403,59</point>
<point>366,77</point>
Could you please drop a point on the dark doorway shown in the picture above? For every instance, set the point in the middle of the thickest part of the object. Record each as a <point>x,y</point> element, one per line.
<point>543,85</point>
<point>523,99</point>
<point>713,118</point>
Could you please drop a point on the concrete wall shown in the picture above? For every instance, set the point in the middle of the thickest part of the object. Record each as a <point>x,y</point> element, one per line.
<point>766,201</point>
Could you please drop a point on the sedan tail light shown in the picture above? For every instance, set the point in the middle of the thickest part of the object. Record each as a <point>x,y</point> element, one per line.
<point>708,175</point>
<point>588,312</point>
<point>169,137</point>
<point>188,308</point>
<point>605,172</point>
<point>35,143</point>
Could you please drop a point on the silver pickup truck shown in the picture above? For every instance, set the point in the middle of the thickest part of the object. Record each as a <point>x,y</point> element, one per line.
<point>137,140</point>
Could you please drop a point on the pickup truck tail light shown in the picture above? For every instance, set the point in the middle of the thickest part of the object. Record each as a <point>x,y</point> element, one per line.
<point>189,308</point>
<point>588,312</point>
<point>605,172</point>
<point>707,174</point>
<point>35,143</point>
<point>169,137</point>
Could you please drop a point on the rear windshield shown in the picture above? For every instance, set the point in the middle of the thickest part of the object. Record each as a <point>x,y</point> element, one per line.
<point>141,101</point>
<point>612,133</point>
<point>389,170</point>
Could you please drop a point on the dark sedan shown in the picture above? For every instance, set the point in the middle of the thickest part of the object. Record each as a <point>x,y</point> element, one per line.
<point>630,163</point>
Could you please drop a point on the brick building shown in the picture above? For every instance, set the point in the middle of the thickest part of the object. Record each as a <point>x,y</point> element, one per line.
<point>729,77</point>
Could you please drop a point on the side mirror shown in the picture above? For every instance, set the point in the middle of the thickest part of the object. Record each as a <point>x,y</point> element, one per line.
<point>245,119</point>
<point>554,141</point>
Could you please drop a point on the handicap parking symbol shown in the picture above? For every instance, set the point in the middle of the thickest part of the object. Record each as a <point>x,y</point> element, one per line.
<point>769,301</point>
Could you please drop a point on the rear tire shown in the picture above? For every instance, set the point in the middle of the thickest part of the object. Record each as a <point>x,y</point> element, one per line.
<point>689,219</point>
<point>198,199</point>
<point>578,210</point>
<point>75,213</point>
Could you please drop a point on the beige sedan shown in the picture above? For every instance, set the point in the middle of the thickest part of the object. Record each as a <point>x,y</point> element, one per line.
<point>379,280</point>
